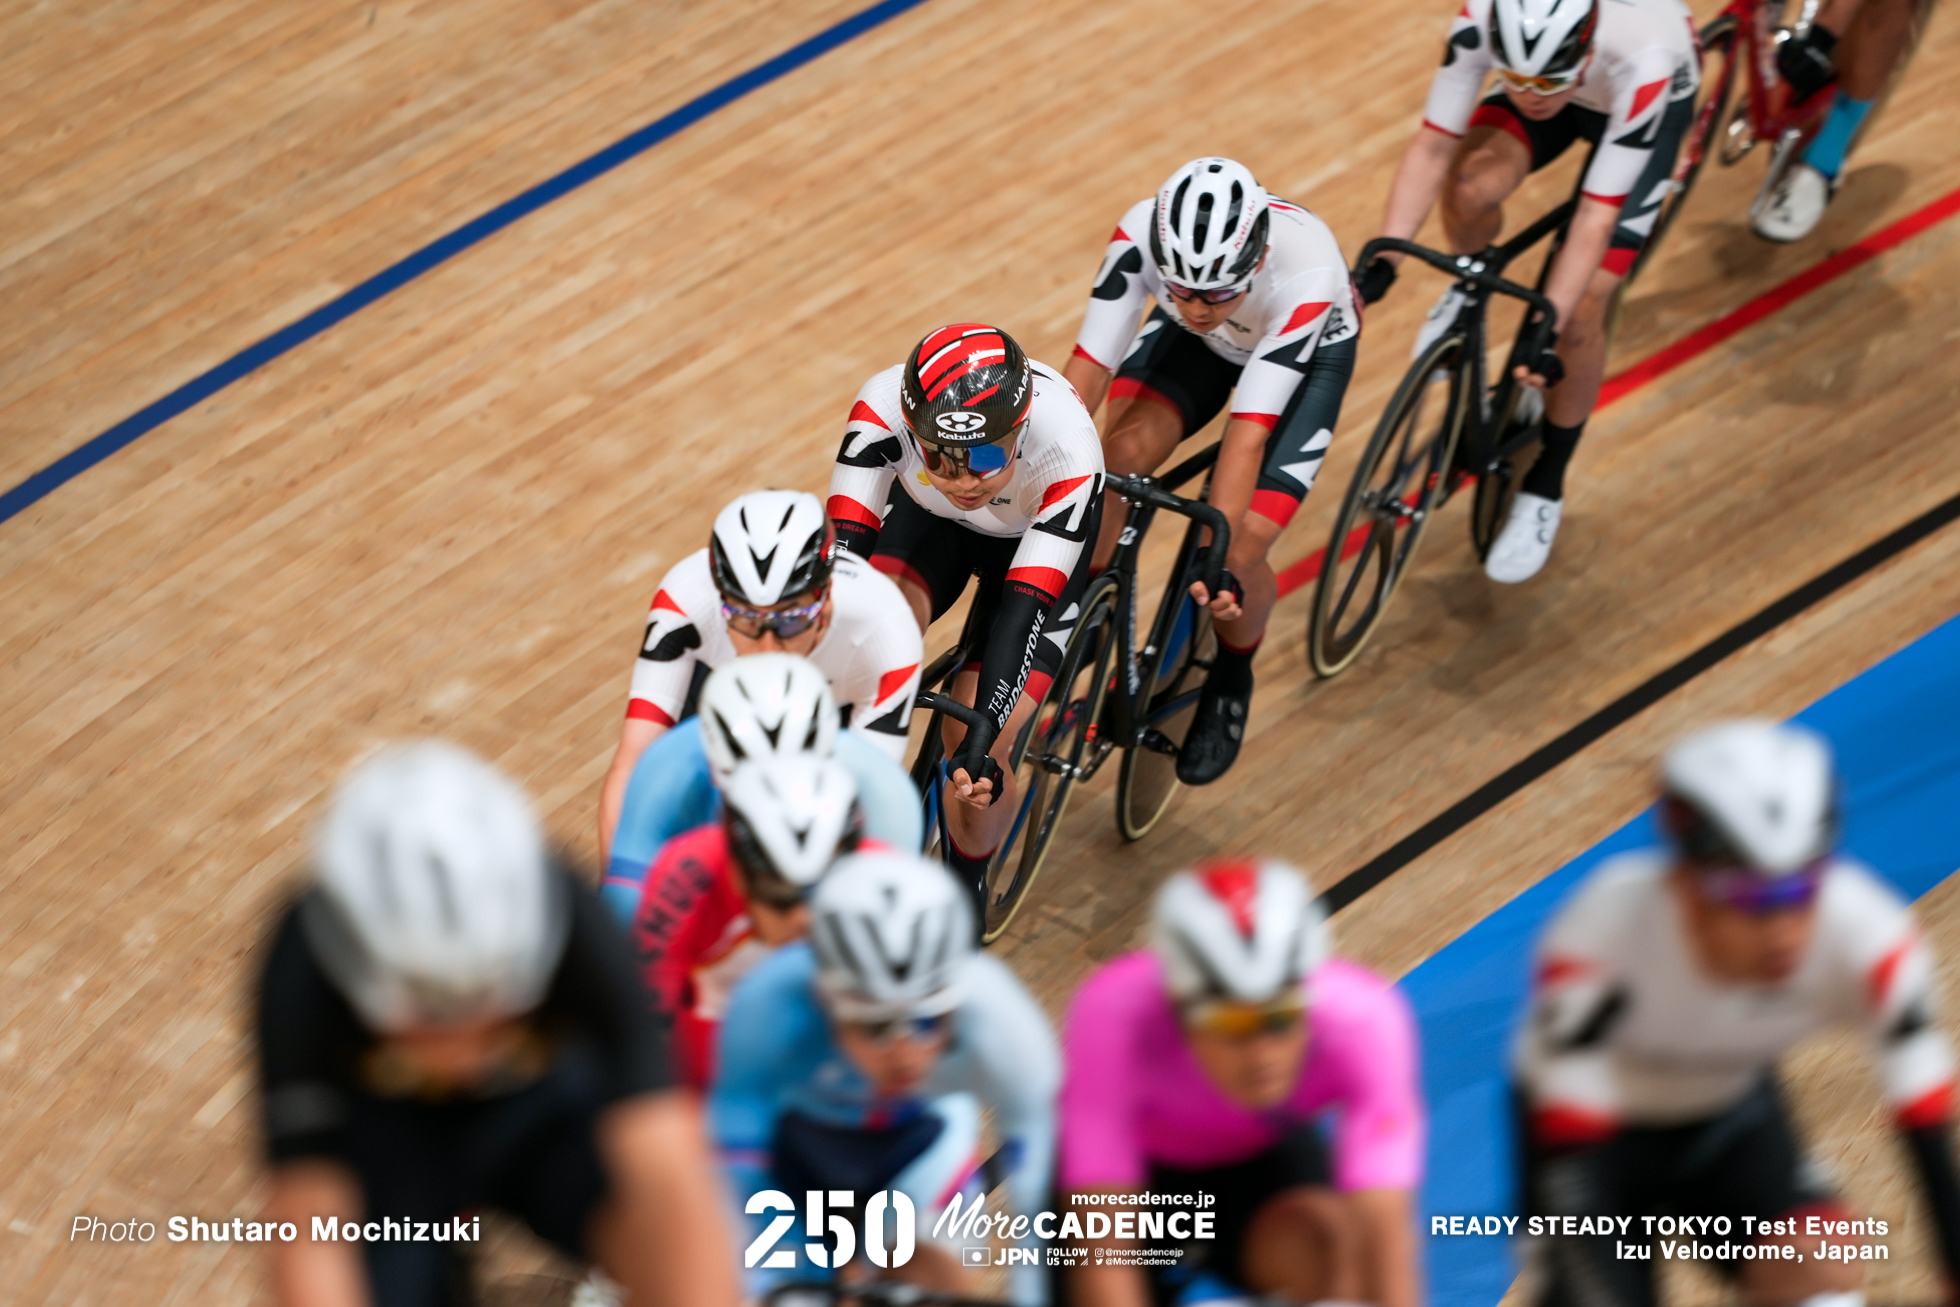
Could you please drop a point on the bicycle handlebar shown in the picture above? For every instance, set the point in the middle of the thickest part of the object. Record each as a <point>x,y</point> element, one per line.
<point>1145,490</point>
<point>947,705</point>
<point>1473,268</point>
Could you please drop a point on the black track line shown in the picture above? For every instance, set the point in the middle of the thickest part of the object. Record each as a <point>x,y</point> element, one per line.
<point>1623,709</point>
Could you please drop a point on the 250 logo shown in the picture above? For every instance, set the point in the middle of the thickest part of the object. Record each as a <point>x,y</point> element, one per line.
<point>817,1203</point>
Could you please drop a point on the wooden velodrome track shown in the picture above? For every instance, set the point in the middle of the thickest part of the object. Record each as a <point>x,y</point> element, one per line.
<point>445,514</point>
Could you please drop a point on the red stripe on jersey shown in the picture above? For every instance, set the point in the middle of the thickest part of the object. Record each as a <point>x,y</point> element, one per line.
<point>863,412</point>
<point>1619,262</point>
<point>894,681</point>
<point>1558,1127</point>
<point>1058,490</point>
<point>1645,96</point>
<point>664,600</point>
<point>1304,314</point>
<point>644,710</point>
<point>1502,115</point>
<point>1878,981</point>
<point>1085,354</point>
<point>1557,970</point>
<point>991,390</point>
<point>1454,136</point>
<point>1266,420</point>
<point>1934,1107</point>
<point>1131,388</point>
<point>1465,11</point>
<point>842,508</point>
<point>1120,235</point>
<point>1275,505</point>
<point>1037,684</point>
<point>1048,580</point>
<point>1615,200</point>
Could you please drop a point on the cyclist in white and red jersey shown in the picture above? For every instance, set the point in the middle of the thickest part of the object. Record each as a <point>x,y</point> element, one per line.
<point>768,583</point>
<point>1206,1064</point>
<point>969,458</point>
<point>1666,989</point>
<point>1620,74</point>
<point>1252,303</point>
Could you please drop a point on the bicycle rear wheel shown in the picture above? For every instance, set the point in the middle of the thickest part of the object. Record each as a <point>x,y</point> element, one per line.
<point>1048,756</point>
<point>1717,41</point>
<point>1403,478</point>
<point>1174,675</point>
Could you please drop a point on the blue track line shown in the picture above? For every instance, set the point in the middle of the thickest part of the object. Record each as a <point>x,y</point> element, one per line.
<point>437,252</point>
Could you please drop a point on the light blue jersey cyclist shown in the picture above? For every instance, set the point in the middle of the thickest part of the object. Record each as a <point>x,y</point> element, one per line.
<point>673,790</point>
<point>861,1061</point>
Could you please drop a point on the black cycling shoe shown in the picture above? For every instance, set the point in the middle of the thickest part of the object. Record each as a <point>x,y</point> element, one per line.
<point>1217,729</point>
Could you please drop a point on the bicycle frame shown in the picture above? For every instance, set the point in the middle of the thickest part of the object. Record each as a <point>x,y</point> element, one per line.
<point>1770,113</point>
<point>1479,276</point>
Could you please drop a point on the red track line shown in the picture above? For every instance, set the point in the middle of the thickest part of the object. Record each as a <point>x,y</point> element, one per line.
<point>1699,342</point>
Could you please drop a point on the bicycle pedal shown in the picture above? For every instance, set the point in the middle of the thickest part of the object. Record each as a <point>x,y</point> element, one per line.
<point>1157,742</point>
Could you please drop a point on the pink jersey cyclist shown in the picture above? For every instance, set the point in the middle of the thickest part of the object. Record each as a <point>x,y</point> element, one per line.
<point>1210,1063</point>
<point>1644,61</point>
<point>1136,1099</point>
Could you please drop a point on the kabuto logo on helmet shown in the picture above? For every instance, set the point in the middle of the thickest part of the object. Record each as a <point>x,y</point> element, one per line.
<point>961,424</point>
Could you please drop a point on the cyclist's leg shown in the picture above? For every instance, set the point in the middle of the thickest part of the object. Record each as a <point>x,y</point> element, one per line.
<point>1497,152</point>
<point>885,794</point>
<point>1169,385</point>
<point>671,791</point>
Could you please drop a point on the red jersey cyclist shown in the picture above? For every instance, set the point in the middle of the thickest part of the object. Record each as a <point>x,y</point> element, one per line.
<point>1665,992</point>
<point>721,896</point>
<point>968,458</point>
<point>767,583</point>
<point>1620,74</point>
<point>1207,1063</point>
<point>1252,303</point>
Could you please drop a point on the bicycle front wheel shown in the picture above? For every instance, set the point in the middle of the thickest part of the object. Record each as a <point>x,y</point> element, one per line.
<point>1174,675</point>
<point>1048,757</point>
<point>1403,478</point>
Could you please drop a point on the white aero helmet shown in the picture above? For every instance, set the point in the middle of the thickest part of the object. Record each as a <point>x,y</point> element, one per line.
<point>893,934</point>
<point>1757,794</point>
<point>1543,38</point>
<point>1240,932</point>
<point>789,816</point>
<point>1209,226</point>
<point>436,902</point>
<point>765,704</point>
<point>769,546</point>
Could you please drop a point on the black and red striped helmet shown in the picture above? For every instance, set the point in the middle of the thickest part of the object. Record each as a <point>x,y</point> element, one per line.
<point>967,384</point>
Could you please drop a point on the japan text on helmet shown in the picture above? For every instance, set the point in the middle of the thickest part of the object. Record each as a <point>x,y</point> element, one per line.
<point>1240,932</point>
<point>967,384</point>
<point>765,704</point>
<point>789,816</point>
<point>769,546</point>
<point>1755,794</point>
<point>1542,38</point>
<point>1208,229</point>
<point>893,934</point>
<point>436,903</point>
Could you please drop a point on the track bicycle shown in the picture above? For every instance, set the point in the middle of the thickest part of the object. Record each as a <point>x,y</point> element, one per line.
<point>1744,37</point>
<point>1107,695</point>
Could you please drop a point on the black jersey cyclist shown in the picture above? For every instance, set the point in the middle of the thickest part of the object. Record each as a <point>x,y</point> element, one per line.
<point>447,1022</point>
<point>968,458</point>
<point>1665,991</point>
<point>1252,304</point>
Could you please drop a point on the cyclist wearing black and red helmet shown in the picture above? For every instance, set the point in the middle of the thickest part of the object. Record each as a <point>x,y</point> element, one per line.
<point>1621,76</point>
<point>970,458</point>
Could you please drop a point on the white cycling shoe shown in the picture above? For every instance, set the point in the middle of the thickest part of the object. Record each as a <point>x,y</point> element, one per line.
<point>1521,548</point>
<point>1438,321</point>
<point>1792,209</point>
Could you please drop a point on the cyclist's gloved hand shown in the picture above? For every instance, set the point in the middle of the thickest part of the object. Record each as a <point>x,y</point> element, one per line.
<point>1807,62</point>
<point>1549,366</point>
<point>1374,280</point>
<point>975,760</point>
<point>1231,585</point>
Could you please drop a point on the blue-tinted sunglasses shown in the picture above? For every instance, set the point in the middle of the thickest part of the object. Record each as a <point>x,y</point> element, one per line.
<point>954,461</point>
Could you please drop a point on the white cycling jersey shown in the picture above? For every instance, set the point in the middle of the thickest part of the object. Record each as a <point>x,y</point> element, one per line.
<point>1644,58</point>
<point>1300,298</point>
<point>870,654</point>
<point>1625,1029</point>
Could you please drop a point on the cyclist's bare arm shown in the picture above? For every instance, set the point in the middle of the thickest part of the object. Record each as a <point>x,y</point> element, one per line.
<point>1418,181</point>
<point>1578,260</point>
<point>636,736</point>
<point>662,1235</point>
<point>1393,1280</point>
<point>1090,379</point>
<point>309,1272</point>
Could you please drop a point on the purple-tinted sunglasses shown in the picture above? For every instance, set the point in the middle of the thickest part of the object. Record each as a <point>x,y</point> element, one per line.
<point>1747,890</point>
